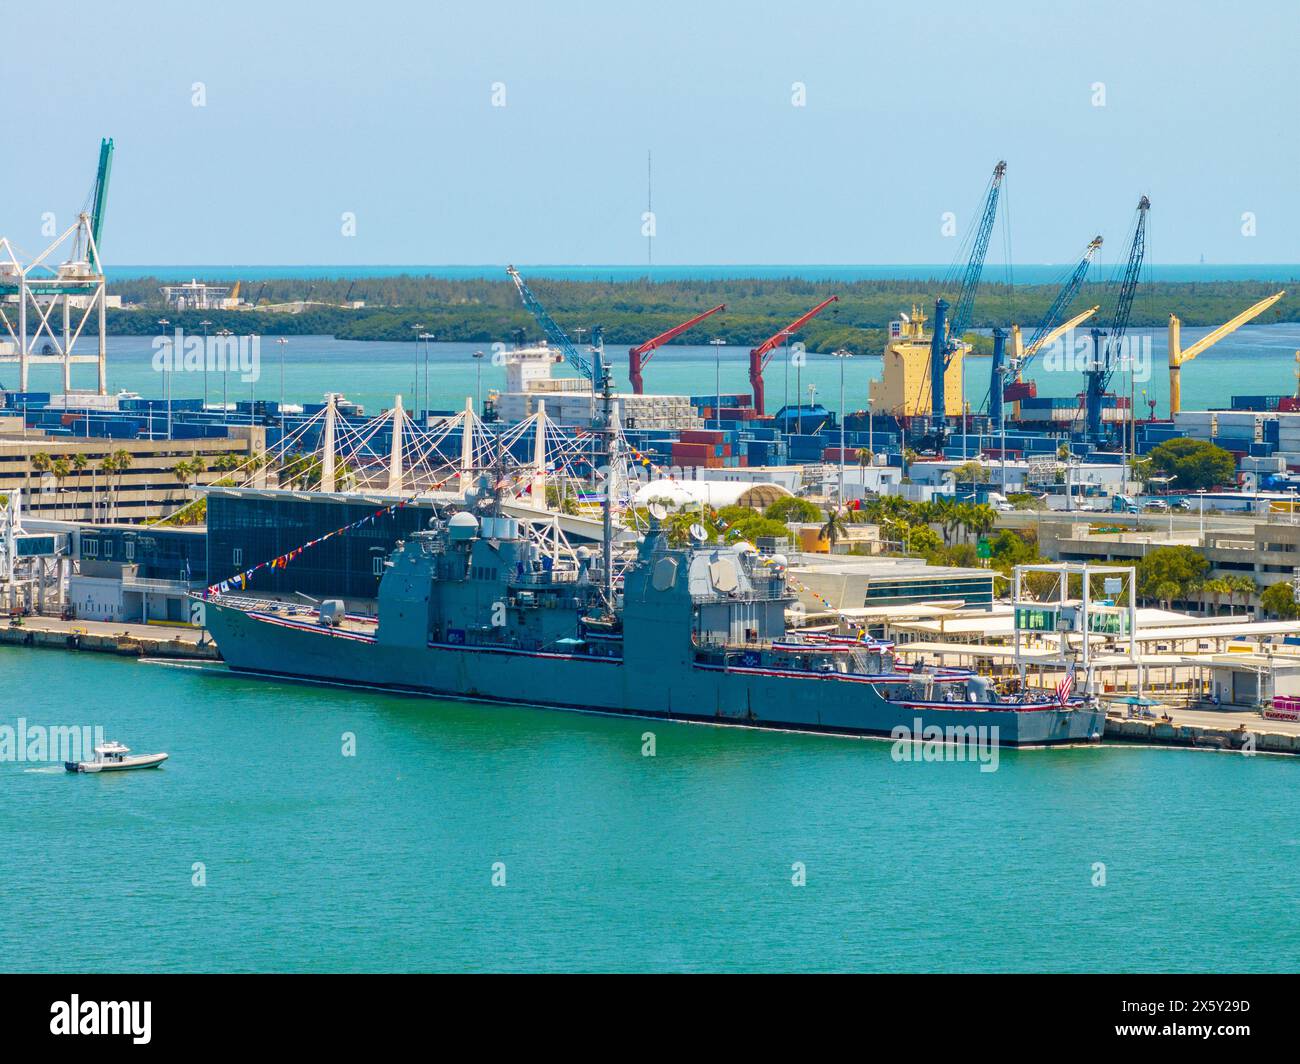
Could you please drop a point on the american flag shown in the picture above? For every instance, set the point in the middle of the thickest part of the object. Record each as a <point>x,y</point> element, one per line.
<point>1064,688</point>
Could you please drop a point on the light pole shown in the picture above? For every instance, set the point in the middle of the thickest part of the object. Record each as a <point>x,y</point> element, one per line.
<point>1200,496</point>
<point>281,342</point>
<point>252,390</point>
<point>225,374</point>
<point>1166,481</point>
<point>785,399</point>
<point>843,355</point>
<point>415,373</point>
<point>426,337</point>
<point>717,343</point>
<point>167,379</point>
<point>205,325</point>
<point>478,381</point>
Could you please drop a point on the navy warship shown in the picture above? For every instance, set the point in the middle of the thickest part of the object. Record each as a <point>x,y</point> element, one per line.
<point>475,608</point>
<point>472,608</point>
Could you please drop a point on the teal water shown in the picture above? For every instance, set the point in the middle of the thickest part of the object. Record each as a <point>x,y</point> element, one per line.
<point>1021,273</point>
<point>1257,359</point>
<point>613,861</point>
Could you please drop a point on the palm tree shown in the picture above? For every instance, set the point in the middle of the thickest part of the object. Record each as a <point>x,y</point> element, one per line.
<point>181,471</point>
<point>107,466</point>
<point>122,460</point>
<point>79,463</point>
<point>909,456</point>
<point>1244,586</point>
<point>41,463</point>
<point>978,519</point>
<point>60,469</point>
<point>1216,587</point>
<point>834,527</point>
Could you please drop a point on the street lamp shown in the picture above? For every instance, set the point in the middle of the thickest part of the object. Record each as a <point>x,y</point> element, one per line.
<point>167,379</point>
<point>205,325</point>
<point>843,355</point>
<point>1200,496</point>
<point>426,337</point>
<point>281,342</point>
<point>717,343</point>
<point>1166,481</point>
<point>786,396</point>
<point>478,380</point>
<point>225,374</point>
<point>415,375</point>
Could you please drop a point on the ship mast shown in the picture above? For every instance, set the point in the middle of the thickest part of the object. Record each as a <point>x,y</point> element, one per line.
<point>607,434</point>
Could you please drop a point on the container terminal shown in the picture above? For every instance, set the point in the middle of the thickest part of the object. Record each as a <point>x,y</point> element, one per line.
<point>87,477</point>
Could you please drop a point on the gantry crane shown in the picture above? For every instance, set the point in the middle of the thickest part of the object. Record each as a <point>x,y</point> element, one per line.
<point>554,333</point>
<point>1180,356</point>
<point>99,198</point>
<point>638,356</point>
<point>1108,343</point>
<point>1049,329</point>
<point>946,338</point>
<point>762,354</point>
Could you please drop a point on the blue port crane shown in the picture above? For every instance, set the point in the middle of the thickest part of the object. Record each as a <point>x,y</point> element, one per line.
<point>945,341</point>
<point>557,336</point>
<point>1107,343</point>
<point>1049,329</point>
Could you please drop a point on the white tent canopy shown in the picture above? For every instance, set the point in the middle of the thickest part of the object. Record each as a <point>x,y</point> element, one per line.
<point>715,493</point>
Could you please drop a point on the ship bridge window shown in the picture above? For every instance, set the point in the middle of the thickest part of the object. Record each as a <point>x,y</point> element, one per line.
<point>665,574</point>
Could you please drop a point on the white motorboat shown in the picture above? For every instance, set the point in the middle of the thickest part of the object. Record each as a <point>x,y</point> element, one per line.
<point>113,757</point>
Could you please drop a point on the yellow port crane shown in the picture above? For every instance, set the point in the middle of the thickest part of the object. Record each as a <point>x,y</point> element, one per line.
<point>1179,357</point>
<point>1021,354</point>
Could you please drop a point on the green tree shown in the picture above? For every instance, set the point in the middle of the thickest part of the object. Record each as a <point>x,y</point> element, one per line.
<point>791,508</point>
<point>1195,463</point>
<point>1216,588</point>
<point>1278,600</point>
<point>1167,573</point>
<point>971,473</point>
<point>1244,586</point>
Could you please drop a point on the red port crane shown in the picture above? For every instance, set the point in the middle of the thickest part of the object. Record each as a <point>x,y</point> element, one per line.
<point>762,354</point>
<point>638,356</point>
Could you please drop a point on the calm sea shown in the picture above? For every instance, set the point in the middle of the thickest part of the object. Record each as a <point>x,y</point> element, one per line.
<point>1256,360</point>
<point>1026,273</point>
<point>384,861</point>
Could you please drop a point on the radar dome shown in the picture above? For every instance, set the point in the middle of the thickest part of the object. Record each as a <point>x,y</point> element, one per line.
<point>462,525</point>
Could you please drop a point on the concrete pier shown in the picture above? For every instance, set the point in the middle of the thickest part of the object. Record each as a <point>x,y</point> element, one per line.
<point>1236,734</point>
<point>129,640</point>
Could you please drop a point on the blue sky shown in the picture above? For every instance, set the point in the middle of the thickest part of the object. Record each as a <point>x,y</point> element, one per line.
<point>385,110</point>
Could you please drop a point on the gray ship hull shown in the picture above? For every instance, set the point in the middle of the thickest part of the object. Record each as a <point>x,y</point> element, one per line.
<point>271,645</point>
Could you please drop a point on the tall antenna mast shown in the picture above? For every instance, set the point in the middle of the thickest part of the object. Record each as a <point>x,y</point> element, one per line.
<point>607,435</point>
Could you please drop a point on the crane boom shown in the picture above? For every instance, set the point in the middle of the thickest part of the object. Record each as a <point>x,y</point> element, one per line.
<point>1105,357</point>
<point>1179,356</point>
<point>638,356</point>
<point>554,333</point>
<point>964,307</point>
<point>99,198</point>
<point>1048,330</point>
<point>947,338</point>
<point>762,354</point>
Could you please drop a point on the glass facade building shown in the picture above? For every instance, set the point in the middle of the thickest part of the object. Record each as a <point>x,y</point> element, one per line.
<point>246,527</point>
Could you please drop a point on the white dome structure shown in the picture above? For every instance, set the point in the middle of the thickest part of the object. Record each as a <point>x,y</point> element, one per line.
<point>716,493</point>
